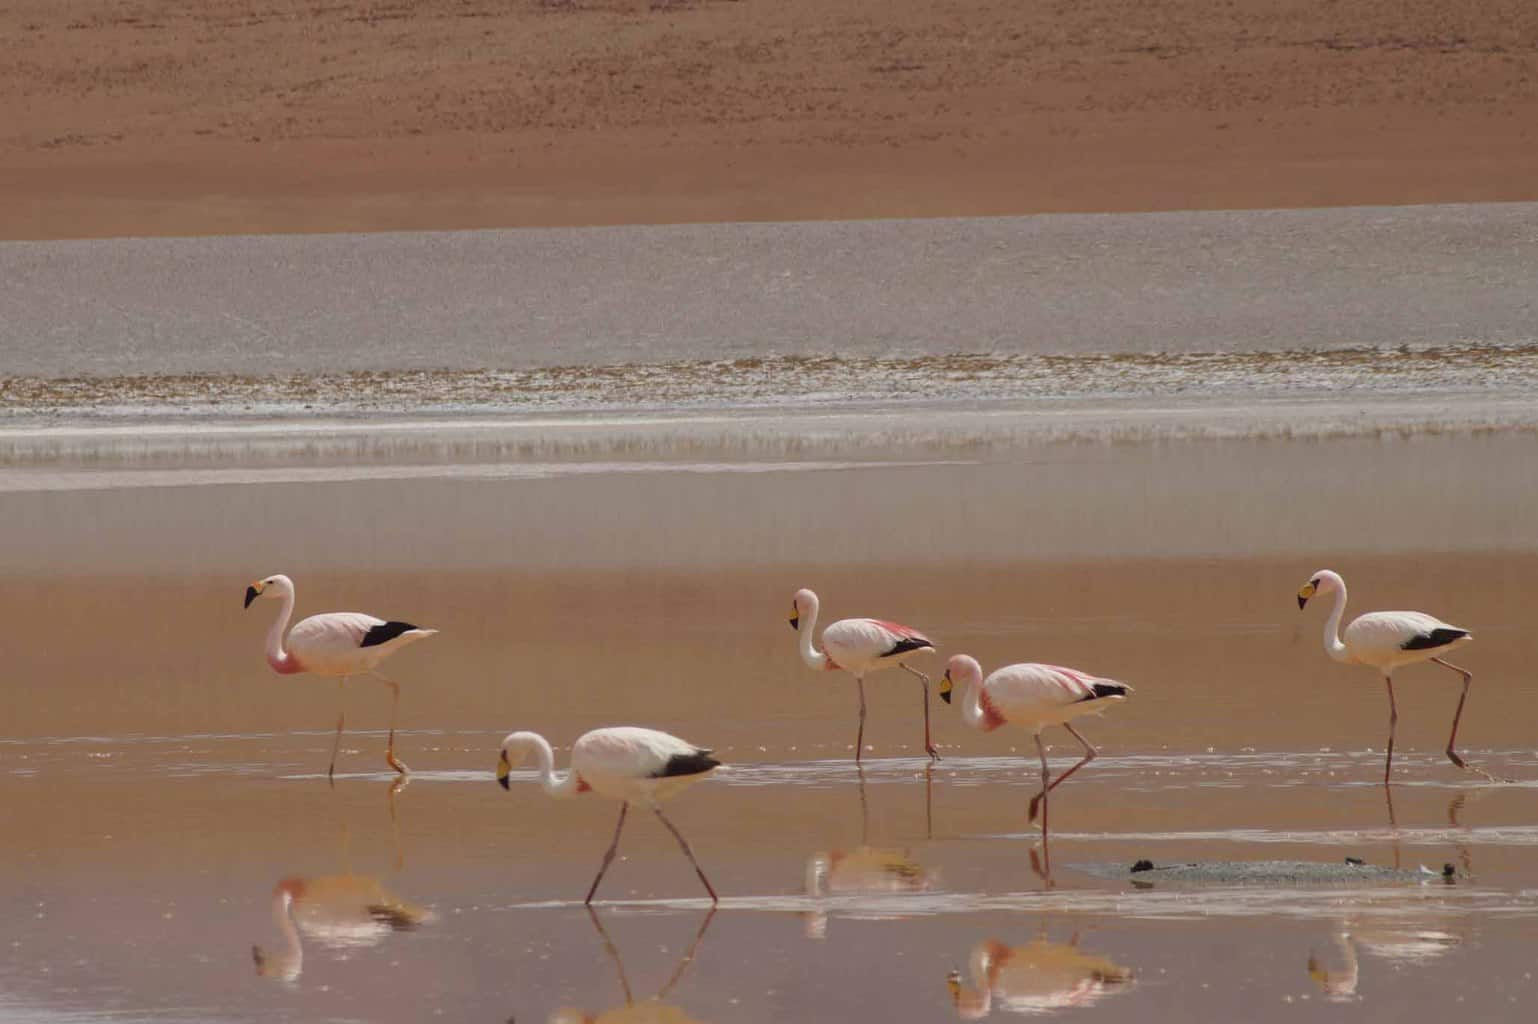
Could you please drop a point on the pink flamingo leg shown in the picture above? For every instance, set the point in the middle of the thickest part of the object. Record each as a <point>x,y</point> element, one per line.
<point>608,855</point>
<point>1393,720</point>
<point>1089,755</point>
<point>929,746</point>
<point>1046,775</point>
<point>395,704</point>
<point>1452,755</point>
<point>684,843</point>
<point>859,736</point>
<point>336,744</point>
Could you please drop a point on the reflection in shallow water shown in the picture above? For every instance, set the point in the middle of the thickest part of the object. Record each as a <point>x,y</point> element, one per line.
<point>1037,978</point>
<point>341,912</point>
<point>1395,938</point>
<point>862,871</point>
<point>647,1011</point>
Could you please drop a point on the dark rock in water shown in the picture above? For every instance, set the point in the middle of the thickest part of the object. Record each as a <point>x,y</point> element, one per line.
<point>1266,872</point>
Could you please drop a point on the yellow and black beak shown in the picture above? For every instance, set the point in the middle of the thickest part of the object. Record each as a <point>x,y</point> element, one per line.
<point>1305,592</point>
<point>945,686</point>
<point>253,592</point>
<point>502,769</point>
<point>795,616</point>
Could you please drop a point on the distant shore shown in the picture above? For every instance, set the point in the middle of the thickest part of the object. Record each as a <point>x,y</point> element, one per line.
<point>220,118</point>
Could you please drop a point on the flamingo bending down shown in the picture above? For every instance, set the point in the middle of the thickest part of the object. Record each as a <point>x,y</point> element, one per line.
<point>1040,977</point>
<point>336,644</point>
<point>859,646</point>
<point>1034,696</point>
<point>1387,640</point>
<point>342,911</point>
<point>623,763</point>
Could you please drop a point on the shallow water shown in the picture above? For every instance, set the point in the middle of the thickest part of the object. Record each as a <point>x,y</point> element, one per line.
<point>163,789</point>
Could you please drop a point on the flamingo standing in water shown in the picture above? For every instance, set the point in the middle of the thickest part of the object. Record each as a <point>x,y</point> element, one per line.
<point>859,646</point>
<point>1387,640</point>
<point>623,763</point>
<point>336,644</point>
<point>1034,696</point>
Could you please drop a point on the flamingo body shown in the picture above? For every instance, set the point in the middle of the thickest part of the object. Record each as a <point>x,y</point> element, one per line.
<point>1386,641</point>
<point>336,645</point>
<point>859,647</point>
<point>625,763</point>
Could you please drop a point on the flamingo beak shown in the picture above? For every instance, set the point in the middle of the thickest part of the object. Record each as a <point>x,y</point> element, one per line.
<point>252,593</point>
<point>502,769</point>
<point>945,686</point>
<point>1301,602</point>
<point>795,618</point>
<point>1305,592</point>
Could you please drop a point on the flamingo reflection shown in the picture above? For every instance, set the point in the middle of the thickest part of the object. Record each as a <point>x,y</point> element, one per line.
<point>647,1011</point>
<point>1402,942</point>
<point>344,911</point>
<point>865,870</point>
<point>1039,977</point>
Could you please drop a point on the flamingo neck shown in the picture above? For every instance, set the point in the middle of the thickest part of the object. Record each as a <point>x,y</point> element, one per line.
<point>804,631</point>
<point>1332,645</point>
<point>290,963</point>
<point>976,711</point>
<point>558,786</point>
<point>281,661</point>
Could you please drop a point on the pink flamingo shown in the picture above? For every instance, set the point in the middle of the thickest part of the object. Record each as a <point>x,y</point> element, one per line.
<point>1387,640</point>
<point>1034,696</point>
<point>623,763</point>
<point>859,646</point>
<point>336,644</point>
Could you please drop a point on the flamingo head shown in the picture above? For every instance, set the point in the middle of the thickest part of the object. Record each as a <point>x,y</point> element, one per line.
<point>1324,581</point>
<point>514,750</point>
<point>273,585</point>
<point>804,603</point>
<point>962,669</point>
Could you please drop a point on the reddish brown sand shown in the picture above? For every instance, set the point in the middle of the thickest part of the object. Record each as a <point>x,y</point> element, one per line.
<point>164,117</point>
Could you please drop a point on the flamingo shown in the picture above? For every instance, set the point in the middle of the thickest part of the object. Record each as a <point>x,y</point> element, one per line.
<point>1387,640</point>
<point>1039,977</point>
<point>336,644</point>
<point>1034,696</point>
<point>340,911</point>
<point>623,763</point>
<point>859,646</point>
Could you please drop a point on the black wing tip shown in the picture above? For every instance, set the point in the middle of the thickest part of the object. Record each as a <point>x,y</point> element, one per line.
<point>1434,639</point>
<point>907,644</point>
<point>385,633</point>
<point>696,763</point>
<point>1103,690</point>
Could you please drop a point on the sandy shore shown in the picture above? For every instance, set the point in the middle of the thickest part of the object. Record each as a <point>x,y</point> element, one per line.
<point>164,118</point>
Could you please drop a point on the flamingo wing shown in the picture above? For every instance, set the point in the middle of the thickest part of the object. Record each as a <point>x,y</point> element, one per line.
<point>332,633</point>
<point>630,752</point>
<point>1029,690</point>
<point>1379,635</point>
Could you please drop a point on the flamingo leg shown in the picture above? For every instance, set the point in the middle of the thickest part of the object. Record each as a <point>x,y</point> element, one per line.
<point>1452,755</point>
<point>336,744</point>
<point>684,843</point>
<point>395,703</point>
<point>929,746</point>
<point>1393,720</point>
<point>859,736</point>
<point>1046,775</point>
<point>1089,755</point>
<point>683,965</point>
<point>608,945</point>
<point>608,856</point>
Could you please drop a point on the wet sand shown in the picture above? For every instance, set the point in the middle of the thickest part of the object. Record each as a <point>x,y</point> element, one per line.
<point>161,785</point>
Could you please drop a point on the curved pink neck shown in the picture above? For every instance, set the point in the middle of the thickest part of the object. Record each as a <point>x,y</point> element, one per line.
<point>282,662</point>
